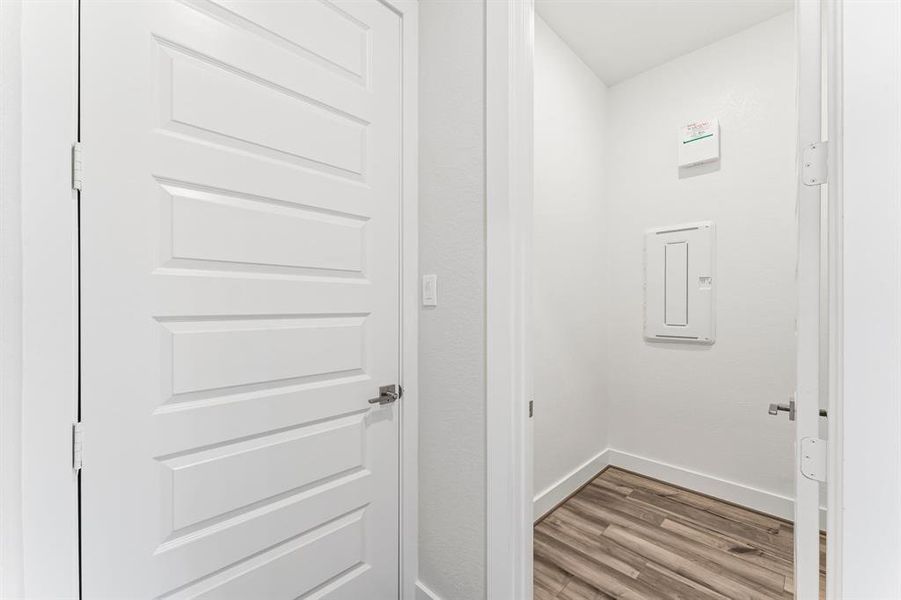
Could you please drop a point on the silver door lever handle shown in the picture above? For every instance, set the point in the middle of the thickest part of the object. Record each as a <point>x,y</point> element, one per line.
<point>387,395</point>
<point>775,409</point>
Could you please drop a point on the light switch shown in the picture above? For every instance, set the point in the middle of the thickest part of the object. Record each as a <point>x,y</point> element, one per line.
<point>430,290</point>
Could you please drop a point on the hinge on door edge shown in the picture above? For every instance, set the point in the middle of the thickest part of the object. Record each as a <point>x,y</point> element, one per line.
<point>813,458</point>
<point>814,165</point>
<point>76,166</point>
<point>531,408</point>
<point>77,446</point>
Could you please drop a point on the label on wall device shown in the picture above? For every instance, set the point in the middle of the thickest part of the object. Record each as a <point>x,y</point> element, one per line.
<point>699,143</point>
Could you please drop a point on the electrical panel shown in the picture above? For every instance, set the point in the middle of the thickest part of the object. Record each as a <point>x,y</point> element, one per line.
<point>679,283</point>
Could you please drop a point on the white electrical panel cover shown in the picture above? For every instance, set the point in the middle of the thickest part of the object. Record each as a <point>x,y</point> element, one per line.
<point>679,283</point>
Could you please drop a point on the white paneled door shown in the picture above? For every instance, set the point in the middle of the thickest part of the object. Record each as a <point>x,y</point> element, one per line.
<point>240,298</point>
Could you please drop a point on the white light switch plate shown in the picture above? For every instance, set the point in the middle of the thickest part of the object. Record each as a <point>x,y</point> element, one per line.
<point>430,290</point>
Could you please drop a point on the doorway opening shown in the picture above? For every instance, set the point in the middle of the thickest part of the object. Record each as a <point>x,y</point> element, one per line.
<point>679,349</point>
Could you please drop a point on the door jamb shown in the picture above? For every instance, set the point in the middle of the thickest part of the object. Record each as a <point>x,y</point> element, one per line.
<point>39,364</point>
<point>508,131</point>
<point>832,33</point>
<point>811,356</point>
<point>408,561</point>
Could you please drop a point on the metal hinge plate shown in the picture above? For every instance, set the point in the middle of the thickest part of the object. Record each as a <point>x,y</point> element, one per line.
<point>76,166</point>
<point>813,458</point>
<point>814,165</point>
<point>531,408</point>
<point>77,446</point>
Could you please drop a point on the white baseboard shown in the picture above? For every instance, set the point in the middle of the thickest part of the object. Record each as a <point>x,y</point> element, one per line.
<point>757,499</point>
<point>424,593</point>
<point>730,491</point>
<point>555,494</point>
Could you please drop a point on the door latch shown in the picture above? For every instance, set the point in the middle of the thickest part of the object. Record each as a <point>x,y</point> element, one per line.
<point>387,395</point>
<point>76,166</point>
<point>77,446</point>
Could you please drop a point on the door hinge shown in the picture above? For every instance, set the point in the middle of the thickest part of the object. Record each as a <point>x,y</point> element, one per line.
<point>813,458</point>
<point>814,165</point>
<point>77,446</point>
<point>531,408</point>
<point>76,166</point>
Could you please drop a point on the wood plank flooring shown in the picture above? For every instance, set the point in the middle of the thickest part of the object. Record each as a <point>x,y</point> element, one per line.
<point>628,536</point>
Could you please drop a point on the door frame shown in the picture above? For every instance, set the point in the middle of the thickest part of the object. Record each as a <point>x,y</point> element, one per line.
<point>408,448</point>
<point>509,172</point>
<point>509,71</point>
<point>871,295</point>
<point>833,85</point>
<point>39,300</point>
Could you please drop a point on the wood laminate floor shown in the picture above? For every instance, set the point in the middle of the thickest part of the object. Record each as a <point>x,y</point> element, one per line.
<point>627,536</point>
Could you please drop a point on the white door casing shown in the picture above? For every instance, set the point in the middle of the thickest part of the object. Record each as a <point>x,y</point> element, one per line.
<point>240,298</point>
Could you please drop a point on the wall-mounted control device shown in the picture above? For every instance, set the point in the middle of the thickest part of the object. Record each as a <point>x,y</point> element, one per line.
<point>699,143</point>
<point>430,290</point>
<point>679,283</point>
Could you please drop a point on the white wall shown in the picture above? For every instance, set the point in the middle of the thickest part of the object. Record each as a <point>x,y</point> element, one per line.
<point>38,316</point>
<point>570,258</point>
<point>11,559</point>
<point>871,485</point>
<point>452,335</point>
<point>704,408</point>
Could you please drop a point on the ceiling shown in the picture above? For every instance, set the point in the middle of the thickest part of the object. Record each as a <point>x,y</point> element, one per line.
<point>621,38</point>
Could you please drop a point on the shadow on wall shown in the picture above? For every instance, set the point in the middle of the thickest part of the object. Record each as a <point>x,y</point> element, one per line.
<point>702,169</point>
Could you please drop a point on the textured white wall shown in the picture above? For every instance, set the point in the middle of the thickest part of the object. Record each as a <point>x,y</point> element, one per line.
<point>570,227</point>
<point>452,335</point>
<point>705,407</point>
<point>871,484</point>
<point>12,576</point>
<point>38,517</point>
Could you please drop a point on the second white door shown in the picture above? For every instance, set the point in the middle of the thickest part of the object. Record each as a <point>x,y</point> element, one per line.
<point>240,298</point>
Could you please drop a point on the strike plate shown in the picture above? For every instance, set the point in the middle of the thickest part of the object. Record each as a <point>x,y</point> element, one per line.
<point>814,169</point>
<point>813,458</point>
